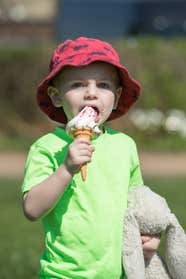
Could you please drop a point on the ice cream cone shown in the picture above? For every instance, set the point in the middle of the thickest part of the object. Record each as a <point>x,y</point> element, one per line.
<point>83,133</point>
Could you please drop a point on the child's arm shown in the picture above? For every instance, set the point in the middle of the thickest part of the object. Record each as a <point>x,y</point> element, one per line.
<point>150,245</point>
<point>42,197</point>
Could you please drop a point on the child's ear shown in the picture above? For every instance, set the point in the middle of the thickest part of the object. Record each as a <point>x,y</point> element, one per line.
<point>117,96</point>
<point>54,96</point>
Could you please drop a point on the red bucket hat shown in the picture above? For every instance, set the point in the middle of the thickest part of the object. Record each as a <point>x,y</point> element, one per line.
<point>81,52</point>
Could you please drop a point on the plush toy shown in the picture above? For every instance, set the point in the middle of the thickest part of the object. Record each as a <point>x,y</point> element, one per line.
<point>148,213</point>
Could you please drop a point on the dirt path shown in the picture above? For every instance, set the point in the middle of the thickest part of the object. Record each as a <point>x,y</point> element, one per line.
<point>12,164</point>
<point>158,164</point>
<point>152,164</point>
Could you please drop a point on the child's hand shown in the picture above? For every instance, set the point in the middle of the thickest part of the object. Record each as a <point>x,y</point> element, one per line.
<point>79,153</point>
<point>150,245</point>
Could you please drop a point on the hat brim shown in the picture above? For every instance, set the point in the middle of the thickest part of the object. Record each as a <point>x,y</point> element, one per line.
<point>130,93</point>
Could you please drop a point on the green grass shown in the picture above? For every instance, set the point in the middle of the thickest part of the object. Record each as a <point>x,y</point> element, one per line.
<point>174,191</point>
<point>22,241</point>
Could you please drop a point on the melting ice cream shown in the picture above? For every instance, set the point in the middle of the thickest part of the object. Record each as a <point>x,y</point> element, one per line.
<point>85,119</point>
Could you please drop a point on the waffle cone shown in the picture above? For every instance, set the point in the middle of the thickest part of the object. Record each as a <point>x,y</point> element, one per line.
<point>83,133</point>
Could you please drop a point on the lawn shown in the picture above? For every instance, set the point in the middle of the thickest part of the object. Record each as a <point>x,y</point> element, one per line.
<point>22,241</point>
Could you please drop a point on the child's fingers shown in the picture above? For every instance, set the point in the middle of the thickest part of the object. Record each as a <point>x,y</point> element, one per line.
<point>84,155</point>
<point>82,140</point>
<point>79,153</point>
<point>86,147</point>
<point>81,144</point>
<point>84,151</point>
<point>150,245</point>
<point>85,159</point>
<point>145,238</point>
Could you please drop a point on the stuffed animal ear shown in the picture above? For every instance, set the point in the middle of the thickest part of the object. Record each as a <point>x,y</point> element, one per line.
<point>175,251</point>
<point>133,259</point>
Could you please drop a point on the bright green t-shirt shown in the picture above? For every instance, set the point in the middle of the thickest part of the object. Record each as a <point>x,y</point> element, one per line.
<point>83,232</point>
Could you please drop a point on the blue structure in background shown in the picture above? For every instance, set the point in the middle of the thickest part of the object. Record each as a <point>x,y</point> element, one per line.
<point>117,18</point>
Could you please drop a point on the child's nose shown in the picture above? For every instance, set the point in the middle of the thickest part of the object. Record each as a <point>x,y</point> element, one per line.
<point>91,91</point>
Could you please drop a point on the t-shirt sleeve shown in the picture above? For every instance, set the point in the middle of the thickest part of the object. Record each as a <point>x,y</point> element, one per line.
<point>135,171</point>
<point>39,166</point>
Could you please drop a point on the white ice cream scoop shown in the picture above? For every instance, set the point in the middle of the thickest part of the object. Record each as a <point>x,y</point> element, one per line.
<point>85,119</point>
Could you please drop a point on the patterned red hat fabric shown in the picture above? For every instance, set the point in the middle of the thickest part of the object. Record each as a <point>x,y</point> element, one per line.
<point>81,52</point>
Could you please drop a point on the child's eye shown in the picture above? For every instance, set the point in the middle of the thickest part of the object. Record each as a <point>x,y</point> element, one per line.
<point>77,84</point>
<point>104,85</point>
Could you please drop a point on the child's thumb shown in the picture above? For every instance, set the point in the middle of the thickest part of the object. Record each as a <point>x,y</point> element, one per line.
<point>145,238</point>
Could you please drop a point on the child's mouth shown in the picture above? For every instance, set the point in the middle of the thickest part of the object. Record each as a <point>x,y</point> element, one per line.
<point>96,110</point>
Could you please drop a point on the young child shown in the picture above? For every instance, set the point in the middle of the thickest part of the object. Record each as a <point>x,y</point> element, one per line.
<point>83,220</point>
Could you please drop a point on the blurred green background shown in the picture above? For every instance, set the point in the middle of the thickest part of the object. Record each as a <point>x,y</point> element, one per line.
<point>157,123</point>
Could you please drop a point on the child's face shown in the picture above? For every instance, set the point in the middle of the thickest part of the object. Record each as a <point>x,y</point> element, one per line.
<point>95,85</point>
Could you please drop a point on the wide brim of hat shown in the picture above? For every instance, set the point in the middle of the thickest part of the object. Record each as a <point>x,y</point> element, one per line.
<point>130,93</point>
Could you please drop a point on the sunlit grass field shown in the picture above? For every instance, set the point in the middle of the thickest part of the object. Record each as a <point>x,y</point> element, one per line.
<point>21,241</point>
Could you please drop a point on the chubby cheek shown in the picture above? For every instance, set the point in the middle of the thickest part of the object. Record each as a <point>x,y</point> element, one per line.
<point>68,110</point>
<point>70,106</point>
<point>108,107</point>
